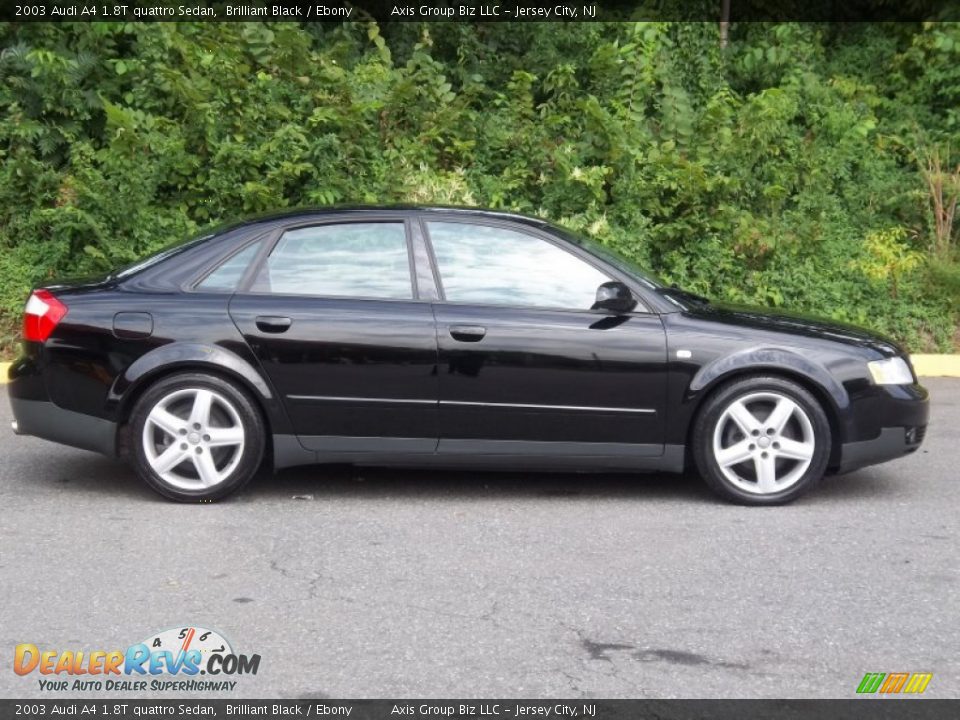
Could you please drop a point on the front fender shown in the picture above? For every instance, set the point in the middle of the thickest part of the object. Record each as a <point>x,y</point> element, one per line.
<point>762,359</point>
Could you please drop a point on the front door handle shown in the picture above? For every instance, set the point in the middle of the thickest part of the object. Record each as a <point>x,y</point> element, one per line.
<point>273,323</point>
<point>467,333</point>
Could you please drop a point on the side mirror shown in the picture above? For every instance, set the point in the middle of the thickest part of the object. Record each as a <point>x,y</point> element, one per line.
<point>615,297</point>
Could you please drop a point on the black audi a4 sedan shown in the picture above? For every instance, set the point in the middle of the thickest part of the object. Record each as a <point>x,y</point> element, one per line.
<point>445,337</point>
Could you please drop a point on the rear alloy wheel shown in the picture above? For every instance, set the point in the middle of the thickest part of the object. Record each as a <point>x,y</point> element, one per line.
<point>762,441</point>
<point>196,437</point>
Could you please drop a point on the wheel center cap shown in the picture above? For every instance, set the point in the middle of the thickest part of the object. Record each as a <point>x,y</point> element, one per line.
<point>194,438</point>
<point>764,442</point>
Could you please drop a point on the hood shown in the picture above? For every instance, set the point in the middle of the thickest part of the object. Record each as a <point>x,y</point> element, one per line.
<point>794,323</point>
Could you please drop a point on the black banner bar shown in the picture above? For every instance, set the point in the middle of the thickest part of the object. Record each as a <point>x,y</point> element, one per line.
<point>326,709</point>
<point>312,11</point>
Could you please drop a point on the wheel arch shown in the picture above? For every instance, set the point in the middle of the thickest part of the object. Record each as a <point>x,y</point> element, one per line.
<point>194,357</point>
<point>815,379</point>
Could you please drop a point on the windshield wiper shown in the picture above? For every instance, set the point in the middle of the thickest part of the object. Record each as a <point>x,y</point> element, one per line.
<point>679,292</point>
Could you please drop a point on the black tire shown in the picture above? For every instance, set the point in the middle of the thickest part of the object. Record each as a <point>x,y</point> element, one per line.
<point>241,461</point>
<point>712,412</point>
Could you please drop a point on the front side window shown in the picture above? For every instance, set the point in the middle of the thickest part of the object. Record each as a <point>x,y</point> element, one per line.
<point>495,266</point>
<point>364,260</point>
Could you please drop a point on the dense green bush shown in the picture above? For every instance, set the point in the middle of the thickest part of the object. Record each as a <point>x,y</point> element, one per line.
<point>785,170</point>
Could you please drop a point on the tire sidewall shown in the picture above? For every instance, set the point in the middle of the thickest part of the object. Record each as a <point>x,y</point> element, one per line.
<point>710,415</point>
<point>250,418</point>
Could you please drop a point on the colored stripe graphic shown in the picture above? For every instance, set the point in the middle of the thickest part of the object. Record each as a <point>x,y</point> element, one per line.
<point>893,683</point>
<point>871,682</point>
<point>918,682</point>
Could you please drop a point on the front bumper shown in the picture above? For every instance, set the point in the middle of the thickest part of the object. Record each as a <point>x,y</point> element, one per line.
<point>897,417</point>
<point>893,442</point>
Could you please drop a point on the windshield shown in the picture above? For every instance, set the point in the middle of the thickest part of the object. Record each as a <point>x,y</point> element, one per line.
<point>618,261</point>
<point>676,295</point>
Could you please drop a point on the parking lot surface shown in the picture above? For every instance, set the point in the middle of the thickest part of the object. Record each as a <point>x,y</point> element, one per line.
<point>453,584</point>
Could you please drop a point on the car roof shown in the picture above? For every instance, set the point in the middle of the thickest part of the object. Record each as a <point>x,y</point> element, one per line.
<point>308,212</point>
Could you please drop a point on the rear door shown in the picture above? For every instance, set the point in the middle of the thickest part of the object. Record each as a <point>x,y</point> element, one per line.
<point>333,315</point>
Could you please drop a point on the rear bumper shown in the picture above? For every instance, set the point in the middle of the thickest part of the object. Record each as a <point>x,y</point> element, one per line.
<point>43,419</point>
<point>36,414</point>
<point>902,413</point>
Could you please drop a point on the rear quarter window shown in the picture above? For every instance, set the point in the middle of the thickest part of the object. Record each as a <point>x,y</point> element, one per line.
<point>226,277</point>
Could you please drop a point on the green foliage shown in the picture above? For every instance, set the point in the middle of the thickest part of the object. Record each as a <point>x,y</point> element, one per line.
<point>781,171</point>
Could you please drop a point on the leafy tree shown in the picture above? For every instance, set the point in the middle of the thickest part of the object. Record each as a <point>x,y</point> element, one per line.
<point>781,171</point>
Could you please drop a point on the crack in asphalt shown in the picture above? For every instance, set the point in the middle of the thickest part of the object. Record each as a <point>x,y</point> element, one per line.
<point>314,592</point>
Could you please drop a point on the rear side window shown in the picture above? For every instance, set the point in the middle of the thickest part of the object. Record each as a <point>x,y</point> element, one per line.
<point>364,260</point>
<point>228,275</point>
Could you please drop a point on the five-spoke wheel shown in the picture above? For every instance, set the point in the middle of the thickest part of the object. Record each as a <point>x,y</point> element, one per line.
<point>196,437</point>
<point>193,438</point>
<point>761,440</point>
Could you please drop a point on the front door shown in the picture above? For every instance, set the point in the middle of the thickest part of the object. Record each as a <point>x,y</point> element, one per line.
<point>332,315</point>
<point>526,367</point>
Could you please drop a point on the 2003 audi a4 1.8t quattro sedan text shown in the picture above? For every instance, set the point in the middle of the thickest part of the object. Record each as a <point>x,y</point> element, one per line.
<point>445,337</point>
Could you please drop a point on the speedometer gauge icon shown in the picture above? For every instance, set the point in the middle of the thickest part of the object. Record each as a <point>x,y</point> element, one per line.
<point>184,639</point>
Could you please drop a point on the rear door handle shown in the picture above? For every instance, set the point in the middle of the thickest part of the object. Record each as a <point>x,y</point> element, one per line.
<point>467,333</point>
<point>273,323</point>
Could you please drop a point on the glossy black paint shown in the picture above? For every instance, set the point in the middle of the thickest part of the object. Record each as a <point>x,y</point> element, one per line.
<point>341,359</point>
<point>427,381</point>
<point>532,366</point>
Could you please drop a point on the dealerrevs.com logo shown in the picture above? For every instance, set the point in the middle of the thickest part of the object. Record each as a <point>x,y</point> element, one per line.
<point>172,660</point>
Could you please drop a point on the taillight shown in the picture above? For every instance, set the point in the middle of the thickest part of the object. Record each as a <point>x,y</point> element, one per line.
<point>41,315</point>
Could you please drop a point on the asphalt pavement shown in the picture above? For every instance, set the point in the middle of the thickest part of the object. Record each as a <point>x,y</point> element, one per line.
<point>460,584</point>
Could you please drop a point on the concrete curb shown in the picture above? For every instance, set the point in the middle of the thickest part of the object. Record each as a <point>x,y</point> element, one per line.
<point>924,365</point>
<point>936,365</point>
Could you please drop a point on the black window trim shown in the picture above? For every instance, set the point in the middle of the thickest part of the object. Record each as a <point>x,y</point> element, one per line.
<point>590,259</point>
<point>428,283</point>
<point>245,284</point>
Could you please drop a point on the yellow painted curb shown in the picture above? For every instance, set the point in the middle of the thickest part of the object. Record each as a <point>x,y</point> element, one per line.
<point>936,365</point>
<point>925,366</point>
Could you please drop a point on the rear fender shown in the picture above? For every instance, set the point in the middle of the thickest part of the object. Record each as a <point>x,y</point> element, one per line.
<point>196,356</point>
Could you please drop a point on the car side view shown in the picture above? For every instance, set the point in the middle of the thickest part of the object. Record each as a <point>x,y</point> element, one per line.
<point>445,337</point>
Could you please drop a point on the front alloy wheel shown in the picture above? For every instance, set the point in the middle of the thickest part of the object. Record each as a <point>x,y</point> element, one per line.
<point>762,441</point>
<point>196,437</point>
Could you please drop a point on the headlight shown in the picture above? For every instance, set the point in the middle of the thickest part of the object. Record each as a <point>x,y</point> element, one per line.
<point>892,371</point>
